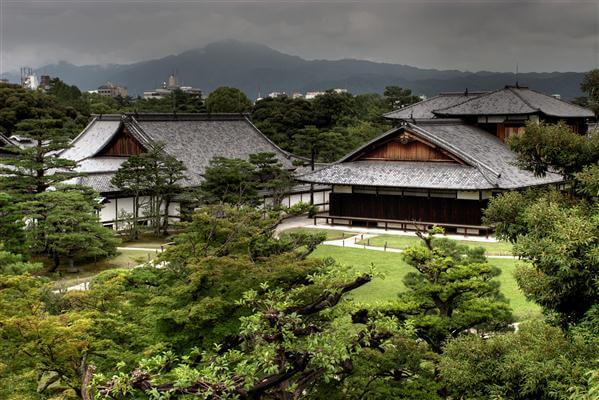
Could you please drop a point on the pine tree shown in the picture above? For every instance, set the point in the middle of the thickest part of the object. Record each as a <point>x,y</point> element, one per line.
<point>155,174</point>
<point>452,291</point>
<point>70,227</point>
<point>34,169</point>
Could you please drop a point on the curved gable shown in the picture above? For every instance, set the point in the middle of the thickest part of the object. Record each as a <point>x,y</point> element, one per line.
<point>122,144</point>
<point>403,144</point>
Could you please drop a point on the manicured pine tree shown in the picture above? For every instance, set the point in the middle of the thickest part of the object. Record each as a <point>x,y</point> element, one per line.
<point>155,174</point>
<point>34,169</point>
<point>453,290</point>
<point>70,228</point>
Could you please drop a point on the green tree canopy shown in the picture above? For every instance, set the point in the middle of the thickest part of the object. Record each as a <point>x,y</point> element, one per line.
<point>228,100</point>
<point>544,147</point>
<point>557,232</point>
<point>453,290</point>
<point>70,227</point>
<point>537,362</point>
<point>37,168</point>
<point>398,97</point>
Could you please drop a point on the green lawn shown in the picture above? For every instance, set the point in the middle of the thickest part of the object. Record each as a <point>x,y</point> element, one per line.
<point>401,242</point>
<point>332,234</point>
<point>394,268</point>
<point>123,259</point>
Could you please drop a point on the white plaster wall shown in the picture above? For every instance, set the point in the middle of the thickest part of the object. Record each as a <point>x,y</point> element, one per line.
<point>342,189</point>
<point>468,195</point>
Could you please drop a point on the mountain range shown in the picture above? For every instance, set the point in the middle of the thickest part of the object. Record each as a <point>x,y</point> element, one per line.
<point>258,69</point>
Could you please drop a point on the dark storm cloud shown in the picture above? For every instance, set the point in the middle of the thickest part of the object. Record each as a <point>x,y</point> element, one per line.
<point>467,35</point>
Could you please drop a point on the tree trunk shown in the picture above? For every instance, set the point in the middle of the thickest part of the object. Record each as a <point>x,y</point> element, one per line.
<point>157,216</point>
<point>135,217</point>
<point>55,262</point>
<point>167,204</point>
<point>72,265</point>
<point>312,162</point>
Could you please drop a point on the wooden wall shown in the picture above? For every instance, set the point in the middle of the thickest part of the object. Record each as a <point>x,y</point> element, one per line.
<point>433,209</point>
<point>123,144</point>
<point>411,151</point>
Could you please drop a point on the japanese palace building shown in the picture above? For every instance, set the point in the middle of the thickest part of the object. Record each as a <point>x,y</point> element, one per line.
<point>194,139</point>
<point>443,161</point>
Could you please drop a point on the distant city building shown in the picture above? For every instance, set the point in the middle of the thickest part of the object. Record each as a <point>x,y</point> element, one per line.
<point>297,95</point>
<point>274,95</point>
<point>45,82</point>
<point>168,87</point>
<point>339,91</point>
<point>557,96</point>
<point>312,95</point>
<point>4,80</point>
<point>112,90</point>
<point>29,81</point>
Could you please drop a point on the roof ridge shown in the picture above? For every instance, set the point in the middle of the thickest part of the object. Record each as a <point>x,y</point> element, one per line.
<point>6,140</point>
<point>511,89</point>
<point>137,129</point>
<point>412,105</point>
<point>560,100</point>
<point>466,101</point>
<point>72,142</point>
<point>467,157</point>
<point>287,154</point>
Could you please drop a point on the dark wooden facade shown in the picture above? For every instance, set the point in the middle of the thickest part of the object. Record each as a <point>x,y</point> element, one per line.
<point>123,144</point>
<point>405,146</point>
<point>407,208</point>
<point>404,149</point>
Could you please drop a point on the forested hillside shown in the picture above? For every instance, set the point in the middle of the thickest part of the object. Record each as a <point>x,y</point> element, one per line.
<point>256,68</point>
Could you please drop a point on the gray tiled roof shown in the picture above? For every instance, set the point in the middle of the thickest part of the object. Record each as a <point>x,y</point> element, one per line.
<point>512,101</point>
<point>489,163</point>
<point>99,181</point>
<point>424,109</point>
<point>193,139</point>
<point>96,164</point>
<point>407,174</point>
<point>95,136</point>
<point>4,141</point>
<point>195,143</point>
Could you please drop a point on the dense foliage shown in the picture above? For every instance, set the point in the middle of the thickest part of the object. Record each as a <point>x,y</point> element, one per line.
<point>153,179</point>
<point>558,232</point>
<point>590,86</point>
<point>228,100</point>
<point>330,125</point>
<point>237,181</point>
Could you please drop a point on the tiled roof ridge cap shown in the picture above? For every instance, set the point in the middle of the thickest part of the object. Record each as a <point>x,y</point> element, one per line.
<point>72,142</point>
<point>512,89</point>
<point>462,93</point>
<point>287,154</point>
<point>467,157</point>
<point>440,121</point>
<point>440,110</point>
<point>555,98</point>
<point>7,140</point>
<point>136,129</point>
<point>148,117</point>
<point>411,105</point>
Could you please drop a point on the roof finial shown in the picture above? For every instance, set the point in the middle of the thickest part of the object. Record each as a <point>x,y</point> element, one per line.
<point>517,75</point>
<point>466,92</point>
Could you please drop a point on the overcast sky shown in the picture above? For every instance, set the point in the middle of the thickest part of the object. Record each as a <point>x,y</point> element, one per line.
<point>466,35</point>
